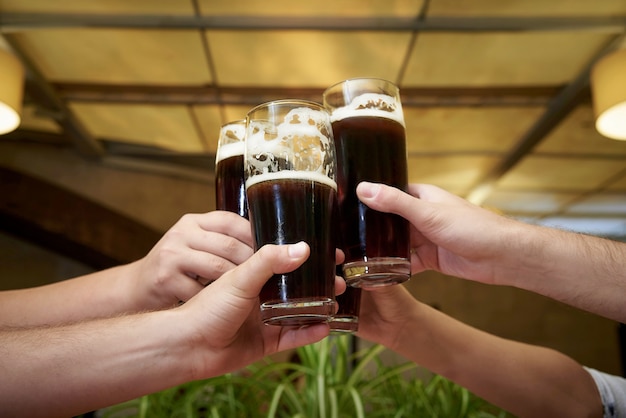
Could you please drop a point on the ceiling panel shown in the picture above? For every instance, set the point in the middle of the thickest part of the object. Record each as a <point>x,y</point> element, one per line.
<point>492,59</point>
<point>516,202</point>
<point>453,173</point>
<point>209,122</point>
<point>611,227</point>
<point>577,135</point>
<point>530,8</point>
<point>466,129</point>
<point>564,174</point>
<point>166,126</point>
<point>118,55</point>
<point>600,203</point>
<point>235,112</point>
<point>318,8</point>
<point>178,7</point>
<point>304,58</point>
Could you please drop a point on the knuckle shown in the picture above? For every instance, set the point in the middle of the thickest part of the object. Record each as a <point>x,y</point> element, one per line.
<point>230,245</point>
<point>218,266</point>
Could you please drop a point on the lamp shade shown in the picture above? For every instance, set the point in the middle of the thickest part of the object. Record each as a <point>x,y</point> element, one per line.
<point>11,91</point>
<point>608,85</point>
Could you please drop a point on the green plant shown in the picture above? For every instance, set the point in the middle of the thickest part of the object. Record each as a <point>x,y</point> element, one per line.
<point>325,381</point>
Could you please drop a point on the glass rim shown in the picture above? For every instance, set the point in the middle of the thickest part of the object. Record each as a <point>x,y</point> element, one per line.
<point>283,102</point>
<point>233,122</point>
<point>347,80</point>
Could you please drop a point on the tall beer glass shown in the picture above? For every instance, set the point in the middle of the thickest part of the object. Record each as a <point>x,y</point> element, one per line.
<point>290,184</point>
<point>230,185</point>
<point>369,132</point>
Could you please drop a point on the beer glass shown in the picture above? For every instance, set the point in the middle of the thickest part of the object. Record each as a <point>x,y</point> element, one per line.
<point>291,189</point>
<point>369,133</point>
<point>346,319</point>
<point>230,186</point>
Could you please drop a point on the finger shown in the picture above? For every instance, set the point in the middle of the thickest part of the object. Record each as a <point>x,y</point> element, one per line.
<point>387,199</point>
<point>212,259</point>
<point>187,287</point>
<point>247,279</point>
<point>340,256</point>
<point>227,223</point>
<point>204,281</point>
<point>220,244</point>
<point>340,285</point>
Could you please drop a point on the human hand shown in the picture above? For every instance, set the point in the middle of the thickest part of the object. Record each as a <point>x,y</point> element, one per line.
<point>198,249</point>
<point>223,321</point>
<point>386,314</point>
<point>448,234</point>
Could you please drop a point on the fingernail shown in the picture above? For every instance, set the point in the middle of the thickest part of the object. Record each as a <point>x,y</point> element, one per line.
<point>297,250</point>
<point>368,190</point>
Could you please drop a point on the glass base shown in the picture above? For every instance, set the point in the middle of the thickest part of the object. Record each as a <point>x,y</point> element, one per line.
<point>377,272</point>
<point>344,324</point>
<point>298,312</point>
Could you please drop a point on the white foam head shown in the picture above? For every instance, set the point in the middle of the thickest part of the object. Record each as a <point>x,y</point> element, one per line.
<point>371,104</point>
<point>230,150</point>
<point>301,142</point>
<point>291,174</point>
<point>231,139</point>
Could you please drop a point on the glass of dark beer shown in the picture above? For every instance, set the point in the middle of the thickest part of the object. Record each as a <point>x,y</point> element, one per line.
<point>346,319</point>
<point>290,184</point>
<point>230,183</point>
<point>369,133</point>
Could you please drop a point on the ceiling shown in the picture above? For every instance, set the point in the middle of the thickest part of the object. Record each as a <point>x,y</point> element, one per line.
<point>495,93</point>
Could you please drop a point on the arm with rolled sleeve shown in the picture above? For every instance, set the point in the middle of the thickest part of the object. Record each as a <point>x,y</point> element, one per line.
<point>612,391</point>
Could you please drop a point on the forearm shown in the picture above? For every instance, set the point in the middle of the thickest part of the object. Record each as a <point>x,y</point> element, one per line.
<point>583,271</point>
<point>65,371</point>
<point>102,294</point>
<point>528,381</point>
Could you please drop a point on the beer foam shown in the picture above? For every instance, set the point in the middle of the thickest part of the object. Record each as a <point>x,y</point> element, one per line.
<point>302,142</point>
<point>233,132</point>
<point>233,149</point>
<point>373,105</point>
<point>291,175</point>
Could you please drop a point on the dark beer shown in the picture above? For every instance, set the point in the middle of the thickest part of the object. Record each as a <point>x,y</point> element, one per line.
<point>365,232</point>
<point>230,185</point>
<point>369,135</point>
<point>230,182</point>
<point>292,193</point>
<point>347,317</point>
<point>285,211</point>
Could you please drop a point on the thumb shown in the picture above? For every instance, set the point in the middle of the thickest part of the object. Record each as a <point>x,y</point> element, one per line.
<point>247,279</point>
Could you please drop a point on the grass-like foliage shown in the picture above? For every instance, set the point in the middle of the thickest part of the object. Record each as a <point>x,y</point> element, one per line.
<point>325,381</point>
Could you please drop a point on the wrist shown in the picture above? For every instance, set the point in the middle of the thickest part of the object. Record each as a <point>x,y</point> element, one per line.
<point>177,343</point>
<point>413,332</point>
<point>521,254</point>
<point>137,294</point>
<point>544,258</point>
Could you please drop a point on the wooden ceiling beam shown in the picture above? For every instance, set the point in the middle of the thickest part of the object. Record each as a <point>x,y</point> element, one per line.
<point>249,95</point>
<point>16,22</point>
